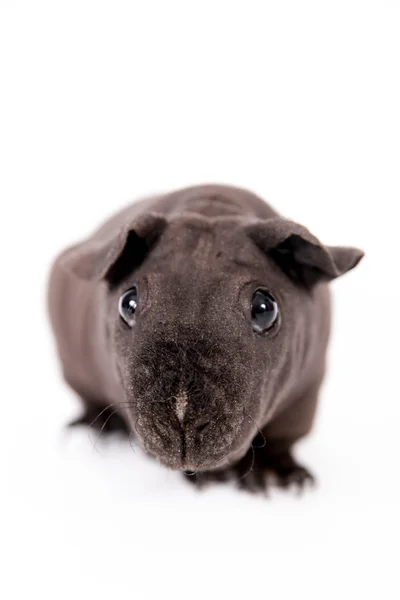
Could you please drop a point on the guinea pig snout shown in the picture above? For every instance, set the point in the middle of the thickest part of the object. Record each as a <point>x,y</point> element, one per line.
<point>184,434</point>
<point>188,396</point>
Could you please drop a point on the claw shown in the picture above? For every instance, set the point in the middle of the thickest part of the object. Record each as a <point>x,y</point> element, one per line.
<point>297,477</point>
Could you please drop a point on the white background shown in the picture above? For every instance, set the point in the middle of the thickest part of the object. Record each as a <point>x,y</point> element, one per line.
<point>102,102</point>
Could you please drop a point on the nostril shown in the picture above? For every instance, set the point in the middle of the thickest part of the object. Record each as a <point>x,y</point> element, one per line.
<point>202,426</point>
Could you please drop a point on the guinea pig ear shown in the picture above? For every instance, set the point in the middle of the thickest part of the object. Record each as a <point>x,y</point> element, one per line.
<point>115,257</point>
<point>299,253</point>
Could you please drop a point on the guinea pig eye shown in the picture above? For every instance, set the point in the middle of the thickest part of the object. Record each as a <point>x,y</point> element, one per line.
<point>127,306</point>
<point>264,311</point>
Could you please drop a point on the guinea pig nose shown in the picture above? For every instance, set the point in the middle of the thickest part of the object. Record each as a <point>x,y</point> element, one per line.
<point>202,426</point>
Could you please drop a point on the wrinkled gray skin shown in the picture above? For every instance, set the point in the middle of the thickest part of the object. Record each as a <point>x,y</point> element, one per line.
<point>192,378</point>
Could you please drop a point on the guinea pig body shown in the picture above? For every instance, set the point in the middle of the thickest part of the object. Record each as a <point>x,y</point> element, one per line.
<point>199,320</point>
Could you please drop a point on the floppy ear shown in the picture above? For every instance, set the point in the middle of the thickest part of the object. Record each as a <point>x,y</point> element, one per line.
<point>114,257</point>
<point>300,254</point>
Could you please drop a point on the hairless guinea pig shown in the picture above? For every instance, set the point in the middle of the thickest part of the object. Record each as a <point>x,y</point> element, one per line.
<point>199,320</point>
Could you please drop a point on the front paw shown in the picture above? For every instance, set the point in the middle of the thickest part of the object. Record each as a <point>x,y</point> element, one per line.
<point>289,473</point>
<point>256,471</point>
<point>106,420</point>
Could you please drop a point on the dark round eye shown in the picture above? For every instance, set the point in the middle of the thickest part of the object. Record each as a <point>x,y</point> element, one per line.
<point>127,306</point>
<point>264,311</point>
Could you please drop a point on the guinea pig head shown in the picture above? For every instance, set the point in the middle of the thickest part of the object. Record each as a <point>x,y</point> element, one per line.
<point>201,315</point>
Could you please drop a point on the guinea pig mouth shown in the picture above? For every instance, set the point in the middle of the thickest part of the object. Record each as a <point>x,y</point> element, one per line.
<point>191,445</point>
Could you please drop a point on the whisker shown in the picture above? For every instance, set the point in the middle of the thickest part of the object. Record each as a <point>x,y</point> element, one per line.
<point>81,420</point>
<point>252,463</point>
<point>134,427</point>
<point>130,442</point>
<point>259,430</point>
<point>103,426</point>
<point>100,413</point>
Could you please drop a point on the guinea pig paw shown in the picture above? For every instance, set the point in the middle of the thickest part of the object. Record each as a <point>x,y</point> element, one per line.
<point>288,473</point>
<point>244,474</point>
<point>255,481</point>
<point>106,420</point>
